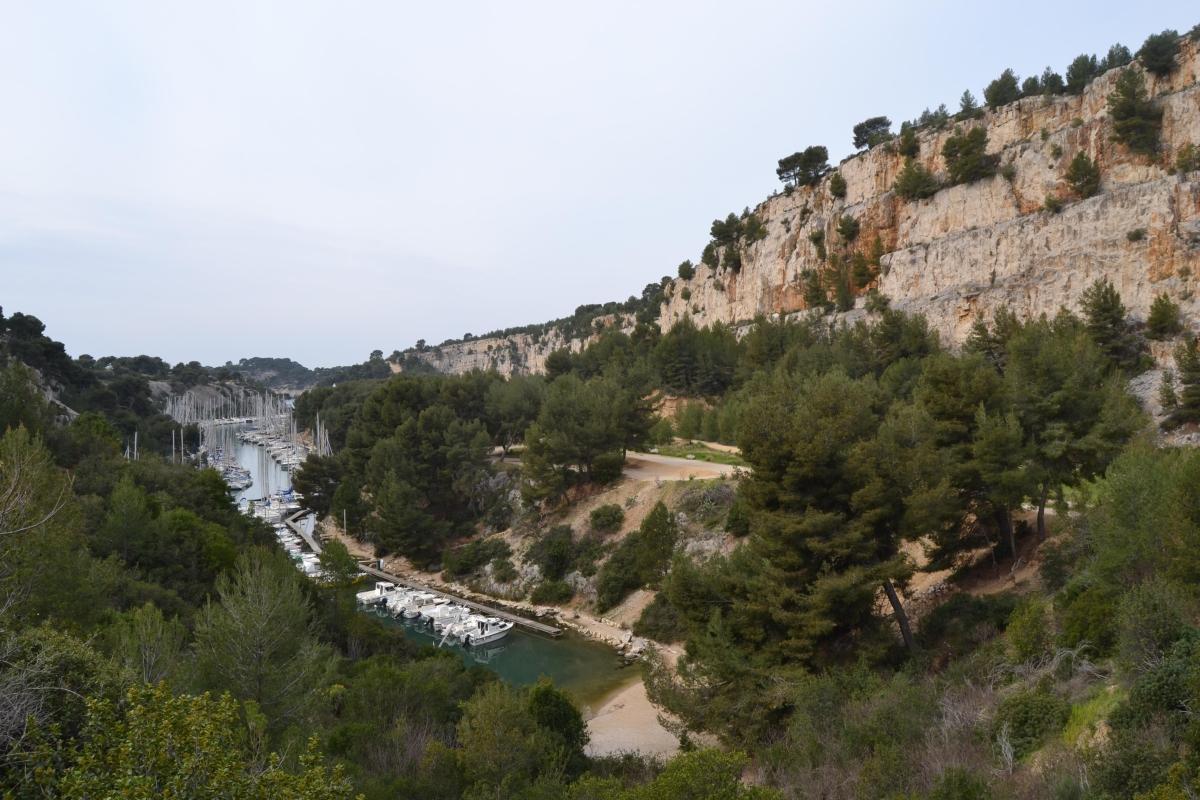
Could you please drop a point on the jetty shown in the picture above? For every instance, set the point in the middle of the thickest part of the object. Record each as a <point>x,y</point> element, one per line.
<point>524,622</point>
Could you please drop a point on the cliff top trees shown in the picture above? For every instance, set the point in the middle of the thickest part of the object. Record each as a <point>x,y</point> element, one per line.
<point>1003,90</point>
<point>966,156</point>
<point>1080,73</point>
<point>872,131</point>
<point>804,168</point>
<point>1136,120</point>
<point>1158,52</point>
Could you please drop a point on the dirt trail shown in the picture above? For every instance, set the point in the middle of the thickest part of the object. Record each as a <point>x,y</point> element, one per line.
<point>651,467</point>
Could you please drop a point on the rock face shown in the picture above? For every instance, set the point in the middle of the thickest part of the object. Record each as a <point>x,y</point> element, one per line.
<point>971,248</point>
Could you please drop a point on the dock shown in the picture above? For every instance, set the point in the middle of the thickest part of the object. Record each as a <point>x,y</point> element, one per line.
<point>524,622</point>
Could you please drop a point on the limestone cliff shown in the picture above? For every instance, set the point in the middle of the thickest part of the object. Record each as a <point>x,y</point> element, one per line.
<point>974,247</point>
<point>968,249</point>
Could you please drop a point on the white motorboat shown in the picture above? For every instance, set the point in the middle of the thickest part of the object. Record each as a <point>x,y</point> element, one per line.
<point>416,602</point>
<point>380,594</point>
<point>477,630</point>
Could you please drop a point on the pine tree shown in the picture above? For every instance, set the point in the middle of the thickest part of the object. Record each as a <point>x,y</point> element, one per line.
<point>1083,175</point>
<point>1003,90</point>
<point>914,181</point>
<point>1163,322</point>
<point>1187,362</point>
<point>999,451</point>
<point>1136,119</point>
<point>1166,392</point>
<point>1108,325</point>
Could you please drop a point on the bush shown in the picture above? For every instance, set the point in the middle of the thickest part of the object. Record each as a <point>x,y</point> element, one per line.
<point>1083,175</point>
<point>1056,150</point>
<point>660,621</point>
<point>964,622</point>
<point>1152,617</point>
<point>687,270</point>
<point>837,185</point>
<point>641,559</point>
<point>908,146</point>
<point>966,156</point>
<point>1118,56</point>
<point>552,593</point>
<point>1136,120</point>
<point>607,518</point>
<point>1003,90</point>
<point>1053,204</point>
<point>737,521</point>
<point>1028,717</point>
<point>709,257</point>
<point>554,553</point>
<point>915,182</point>
<point>1009,172</point>
<point>957,783</point>
<point>1188,158</point>
<point>1158,52</point>
<point>848,228</point>
<point>1029,636</point>
<point>459,562</point>
<point>686,294</point>
<point>1086,616</point>
<point>607,467</point>
<point>1163,322</point>
<point>817,237</point>
<point>1136,235</point>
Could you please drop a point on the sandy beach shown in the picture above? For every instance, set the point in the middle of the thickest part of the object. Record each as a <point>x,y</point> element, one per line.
<point>626,721</point>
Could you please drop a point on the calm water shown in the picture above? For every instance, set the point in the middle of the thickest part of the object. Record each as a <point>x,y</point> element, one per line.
<point>268,476</point>
<point>586,669</point>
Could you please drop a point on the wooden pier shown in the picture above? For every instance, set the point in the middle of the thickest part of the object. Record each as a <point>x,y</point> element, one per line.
<point>529,624</point>
<point>524,622</point>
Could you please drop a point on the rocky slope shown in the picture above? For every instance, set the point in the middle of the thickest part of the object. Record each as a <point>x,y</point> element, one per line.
<point>971,248</point>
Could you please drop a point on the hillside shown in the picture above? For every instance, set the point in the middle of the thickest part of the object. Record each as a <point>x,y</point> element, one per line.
<point>967,250</point>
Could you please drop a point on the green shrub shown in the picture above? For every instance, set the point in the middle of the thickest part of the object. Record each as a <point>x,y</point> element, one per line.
<point>737,521</point>
<point>1086,615</point>
<point>837,185</point>
<point>660,621</point>
<point>817,237</point>
<point>1158,52</point>
<point>964,622</point>
<point>848,228</point>
<point>606,468</point>
<point>1152,617</point>
<point>641,559</point>
<point>967,159</point>
<point>1136,120</point>
<point>709,257</point>
<point>686,294</point>
<point>687,270</point>
<point>707,503</point>
<point>470,558</point>
<point>1188,158</point>
<point>1053,204</point>
<point>1029,636</point>
<point>607,518</point>
<point>957,783</point>
<point>1083,175</point>
<point>1136,235</point>
<point>503,570</point>
<point>554,553</point>
<point>1009,172</point>
<point>915,182</point>
<point>552,593</point>
<point>1056,150</point>
<point>908,146</point>
<point>1163,322</point>
<point>1028,717</point>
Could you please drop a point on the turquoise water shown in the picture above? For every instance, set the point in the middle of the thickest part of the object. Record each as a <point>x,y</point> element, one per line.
<point>586,669</point>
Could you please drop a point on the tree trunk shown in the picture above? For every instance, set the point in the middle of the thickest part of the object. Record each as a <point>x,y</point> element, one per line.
<point>1041,515</point>
<point>1006,527</point>
<point>901,616</point>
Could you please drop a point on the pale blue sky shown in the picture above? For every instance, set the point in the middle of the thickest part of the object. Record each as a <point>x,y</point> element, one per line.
<point>225,179</point>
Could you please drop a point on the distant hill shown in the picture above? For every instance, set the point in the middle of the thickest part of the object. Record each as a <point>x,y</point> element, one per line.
<point>284,373</point>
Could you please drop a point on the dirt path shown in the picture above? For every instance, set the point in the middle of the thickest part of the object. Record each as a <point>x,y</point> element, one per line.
<point>651,467</point>
<point>627,722</point>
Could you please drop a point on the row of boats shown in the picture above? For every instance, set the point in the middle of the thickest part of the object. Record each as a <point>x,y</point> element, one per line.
<point>454,622</point>
<point>283,447</point>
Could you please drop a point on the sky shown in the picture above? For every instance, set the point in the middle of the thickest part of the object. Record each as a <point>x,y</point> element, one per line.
<point>218,180</point>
